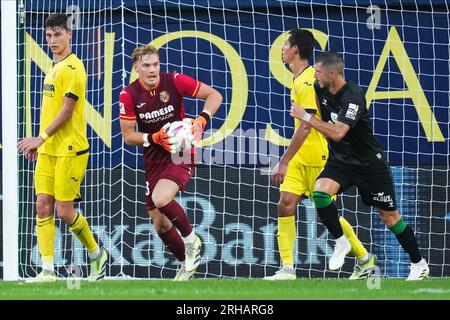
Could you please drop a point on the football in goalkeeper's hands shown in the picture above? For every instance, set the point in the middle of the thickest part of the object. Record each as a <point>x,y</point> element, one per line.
<point>181,135</point>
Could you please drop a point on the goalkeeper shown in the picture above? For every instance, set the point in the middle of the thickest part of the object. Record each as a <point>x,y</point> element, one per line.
<point>62,152</point>
<point>152,101</point>
<point>303,161</point>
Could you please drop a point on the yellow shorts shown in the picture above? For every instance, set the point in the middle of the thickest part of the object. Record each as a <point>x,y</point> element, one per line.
<point>60,177</point>
<point>300,179</point>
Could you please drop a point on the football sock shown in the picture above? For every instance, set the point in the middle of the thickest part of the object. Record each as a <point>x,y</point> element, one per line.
<point>174,243</point>
<point>94,254</point>
<point>328,213</point>
<point>357,247</point>
<point>286,238</point>
<point>46,233</point>
<point>190,238</point>
<point>405,235</point>
<point>80,228</point>
<point>288,267</point>
<point>364,258</point>
<point>178,217</point>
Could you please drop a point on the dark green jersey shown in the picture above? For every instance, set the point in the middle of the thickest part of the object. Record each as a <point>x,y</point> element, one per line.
<point>359,146</point>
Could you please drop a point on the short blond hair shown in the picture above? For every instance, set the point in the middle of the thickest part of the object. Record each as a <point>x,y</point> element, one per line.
<point>141,51</point>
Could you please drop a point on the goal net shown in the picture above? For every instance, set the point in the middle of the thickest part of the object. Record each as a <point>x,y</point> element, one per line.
<point>398,53</point>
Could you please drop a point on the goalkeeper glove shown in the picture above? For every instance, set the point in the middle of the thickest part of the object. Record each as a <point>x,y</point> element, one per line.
<point>163,139</point>
<point>198,125</point>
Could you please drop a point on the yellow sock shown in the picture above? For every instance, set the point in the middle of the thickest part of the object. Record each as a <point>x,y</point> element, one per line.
<point>81,230</point>
<point>286,238</point>
<point>357,247</point>
<point>46,233</point>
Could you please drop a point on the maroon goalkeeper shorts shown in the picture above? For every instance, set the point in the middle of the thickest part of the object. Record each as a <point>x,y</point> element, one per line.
<point>178,173</point>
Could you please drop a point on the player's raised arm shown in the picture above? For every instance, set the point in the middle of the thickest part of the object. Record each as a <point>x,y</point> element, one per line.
<point>213,100</point>
<point>335,131</point>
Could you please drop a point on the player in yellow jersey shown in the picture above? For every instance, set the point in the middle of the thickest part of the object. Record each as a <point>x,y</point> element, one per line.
<point>62,152</point>
<point>302,162</point>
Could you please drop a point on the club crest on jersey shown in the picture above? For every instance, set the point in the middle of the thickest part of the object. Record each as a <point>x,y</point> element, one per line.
<point>164,96</point>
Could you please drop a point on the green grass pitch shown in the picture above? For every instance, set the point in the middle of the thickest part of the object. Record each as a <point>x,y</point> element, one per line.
<point>229,289</point>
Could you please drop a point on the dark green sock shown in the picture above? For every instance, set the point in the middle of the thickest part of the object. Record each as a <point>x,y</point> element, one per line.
<point>407,239</point>
<point>328,213</point>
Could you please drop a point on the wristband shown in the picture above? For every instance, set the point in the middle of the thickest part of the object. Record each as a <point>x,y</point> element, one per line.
<point>306,117</point>
<point>206,114</point>
<point>44,135</point>
<point>146,142</point>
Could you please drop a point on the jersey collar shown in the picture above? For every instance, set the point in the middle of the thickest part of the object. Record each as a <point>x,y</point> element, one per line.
<point>341,90</point>
<point>53,62</point>
<point>298,75</point>
<point>150,92</point>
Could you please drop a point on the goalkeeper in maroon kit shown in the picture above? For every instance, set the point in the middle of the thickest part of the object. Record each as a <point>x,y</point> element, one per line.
<point>152,101</point>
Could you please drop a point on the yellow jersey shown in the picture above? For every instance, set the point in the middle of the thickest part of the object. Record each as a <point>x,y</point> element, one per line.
<point>67,78</point>
<point>314,151</point>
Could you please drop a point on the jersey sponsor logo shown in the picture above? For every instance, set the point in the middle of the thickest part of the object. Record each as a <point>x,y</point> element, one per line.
<point>49,87</point>
<point>352,111</point>
<point>381,197</point>
<point>141,105</point>
<point>164,96</point>
<point>157,115</point>
<point>122,108</point>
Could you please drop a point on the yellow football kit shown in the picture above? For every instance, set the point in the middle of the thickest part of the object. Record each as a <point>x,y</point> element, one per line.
<point>62,159</point>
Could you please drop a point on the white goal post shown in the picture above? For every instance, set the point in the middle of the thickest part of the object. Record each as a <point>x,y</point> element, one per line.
<point>10,210</point>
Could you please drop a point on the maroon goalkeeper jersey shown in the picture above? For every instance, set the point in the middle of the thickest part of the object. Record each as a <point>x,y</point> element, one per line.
<point>152,109</point>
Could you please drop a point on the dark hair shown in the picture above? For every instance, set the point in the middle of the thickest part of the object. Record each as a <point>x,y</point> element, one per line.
<point>304,40</point>
<point>57,20</point>
<point>332,60</point>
